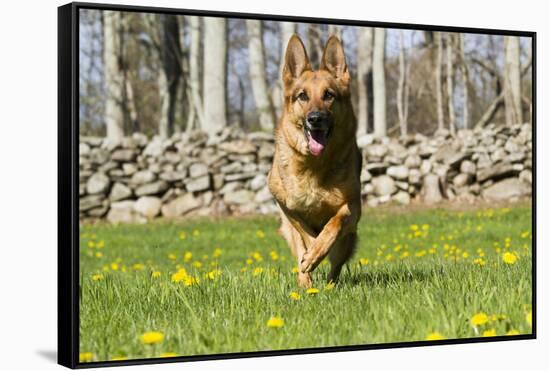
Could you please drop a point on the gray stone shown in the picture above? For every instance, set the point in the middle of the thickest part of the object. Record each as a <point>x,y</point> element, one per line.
<point>240,197</point>
<point>402,197</point>
<point>124,155</point>
<point>240,176</point>
<point>365,140</point>
<point>365,176</point>
<point>526,176</point>
<point>232,168</point>
<point>197,170</point>
<point>143,177</point>
<point>89,202</point>
<point>507,190</point>
<point>266,151</point>
<point>376,150</point>
<point>384,185</point>
<point>431,191</point>
<point>263,195</point>
<point>83,149</point>
<point>231,187</point>
<point>173,176</point>
<point>258,182</point>
<point>449,156</point>
<point>398,172</point>
<point>129,168</point>
<point>152,188</point>
<point>462,180</point>
<point>148,206</point>
<point>468,167</point>
<point>154,148</point>
<point>123,212</point>
<point>99,156</point>
<point>415,177</point>
<point>119,192</point>
<point>238,147</point>
<point>496,171</point>
<point>98,183</point>
<point>199,184</point>
<point>368,189</point>
<point>413,161</point>
<point>181,206</point>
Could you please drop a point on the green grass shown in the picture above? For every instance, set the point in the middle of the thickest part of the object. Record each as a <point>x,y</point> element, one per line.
<point>390,297</point>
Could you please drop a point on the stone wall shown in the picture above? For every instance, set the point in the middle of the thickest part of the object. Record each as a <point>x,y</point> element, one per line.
<point>193,174</point>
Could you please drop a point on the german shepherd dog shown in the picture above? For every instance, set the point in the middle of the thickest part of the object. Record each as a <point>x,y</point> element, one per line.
<point>315,173</point>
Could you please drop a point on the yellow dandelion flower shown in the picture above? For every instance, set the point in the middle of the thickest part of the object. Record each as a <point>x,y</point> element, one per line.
<point>329,286</point>
<point>414,227</point>
<point>249,261</point>
<point>363,261</point>
<point>205,257</point>
<point>86,357</point>
<point>182,235</point>
<point>389,257</point>
<point>257,271</point>
<point>187,256</point>
<point>197,264</point>
<point>294,295</point>
<point>168,355</point>
<point>156,274</point>
<point>138,267</point>
<point>274,256</point>
<point>260,234</point>
<point>212,275</point>
<point>275,322</point>
<point>244,269</point>
<point>420,253</point>
<point>119,358</point>
<point>479,261</point>
<point>435,336</point>
<point>512,332</point>
<point>312,291</point>
<point>404,255</point>
<point>217,253</point>
<point>490,332</point>
<point>190,281</point>
<point>295,270</point>
<point>465,255</point>
<point>172,257</point>
<point>509,258</point>
<point>152,337</point>
<point>97,277</point>
<point>196,233</point>
<point>479,319</point>
<point>257,256</point>
<point>114,266</point>
<point>100,244</point>
<point>529,318</point>
<point>91,244</point>
<point>98,254</point>
<point>179,276</point>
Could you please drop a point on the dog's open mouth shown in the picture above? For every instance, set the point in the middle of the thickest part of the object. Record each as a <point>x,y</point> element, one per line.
<point>317,140</point>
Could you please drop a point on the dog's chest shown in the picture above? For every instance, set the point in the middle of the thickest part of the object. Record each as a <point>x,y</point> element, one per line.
<point>308,196</point>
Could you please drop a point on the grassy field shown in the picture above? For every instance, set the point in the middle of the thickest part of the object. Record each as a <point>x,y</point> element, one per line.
<point>214,286</point>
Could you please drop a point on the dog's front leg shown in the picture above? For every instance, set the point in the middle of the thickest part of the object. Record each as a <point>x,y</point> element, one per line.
<point>336,227</point>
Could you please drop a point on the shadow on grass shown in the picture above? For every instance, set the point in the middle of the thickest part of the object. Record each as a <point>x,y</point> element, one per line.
<point>377,278</point>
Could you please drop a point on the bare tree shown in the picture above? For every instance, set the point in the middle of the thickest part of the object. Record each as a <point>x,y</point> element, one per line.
<point>214,79</point>
<point>286,31</point>
<point>257,74</point>
<point>114,84</point>
<point>438,87</point>
<point>450,85</point>
<point>195,118</point>
<point>403,86</point>
<point>364,67</point>
<point>512,81</point>
<point>315,45</point>
<point>465,83</point>
<point>379,82</point>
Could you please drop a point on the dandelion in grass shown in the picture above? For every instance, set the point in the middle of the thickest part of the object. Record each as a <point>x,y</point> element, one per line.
<point>260,234</point>
<point>190,281</point>
<point>187,256</point>
<point>97,277</point>
<point>329,286</point>
<point>312,291</point>
<point>435,336</point>
<point>172,257</point>
<point>152,337</point>
<point>489,333</point>
<point>182,235</point>
<point>512,332</point>
<point>168,355</point>
<point>275,322</point>
<point>156,274</point>
<point>91,244</point>
<point>138,267</point>
<point>294,296</point>
<point>509,258</point>
<point>179,276</point>
<point>114,266</point>
<point>119,358</point>
<point>217,252</point>
<point>249,261</point>
<point>212,275</point>
<point>86,357</point>
<point>197,264</point>
<point>295,270</point>
<point>479,319</point>
<point>529,318</point>
<point>362,261</point>
<point>274,256</point>
<point>99,254</point>
<point>196,233</point>
<point>257,256</point>
<point>100,244</point>
<point>257,271</point>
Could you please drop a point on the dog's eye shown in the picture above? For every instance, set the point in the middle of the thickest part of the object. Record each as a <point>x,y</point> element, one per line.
<point>328,95</point>
<point>303,97</point>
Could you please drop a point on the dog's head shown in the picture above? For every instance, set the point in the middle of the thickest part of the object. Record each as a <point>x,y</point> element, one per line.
<point>315,101</point>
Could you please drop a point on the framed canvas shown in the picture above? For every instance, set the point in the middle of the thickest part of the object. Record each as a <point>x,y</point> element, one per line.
<point>242,185</point>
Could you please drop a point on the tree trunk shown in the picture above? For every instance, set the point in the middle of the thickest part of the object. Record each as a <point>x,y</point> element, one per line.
<point>450,87</point>
<point>465,83</point>
<point>196,114</point>
<point>379,82</point>
<point>364,66</point>
<point>512,81</point>
<point>287,30</point>
<point>315,46</point>
<point>335,30</point>
<point>257,75</point>
<point>113,74</point>
<point>438,88</point>
<point>402,87</point>
<point>169,77</point>
<point>215,76</point>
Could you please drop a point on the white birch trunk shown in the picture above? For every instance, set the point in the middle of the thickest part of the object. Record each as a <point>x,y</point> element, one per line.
<point>196,116</point>
<point>214,81</point>
<point>287,30</point>
<point>450,87</point>
<point>257,75</point>
<point>512,81</point>
<point>401,109</point>
<point>364,66</point>
<point>438,88</point>
<point>114,84</point>
<point>465,83</point>
<point>379,82</point>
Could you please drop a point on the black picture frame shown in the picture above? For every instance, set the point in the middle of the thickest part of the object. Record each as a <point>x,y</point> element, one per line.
<point>68,178</point>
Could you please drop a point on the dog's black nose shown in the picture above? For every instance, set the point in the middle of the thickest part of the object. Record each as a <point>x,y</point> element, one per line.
<point>316,119</point>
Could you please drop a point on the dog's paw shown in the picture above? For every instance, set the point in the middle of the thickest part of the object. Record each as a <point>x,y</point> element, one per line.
<point>304,280</point>
<point>308,263</point>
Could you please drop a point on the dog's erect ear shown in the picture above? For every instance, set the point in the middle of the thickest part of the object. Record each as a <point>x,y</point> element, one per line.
<point>296,60</point>
<point>334,60</point>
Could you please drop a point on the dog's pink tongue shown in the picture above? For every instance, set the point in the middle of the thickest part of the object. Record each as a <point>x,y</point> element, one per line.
<point>317,142</point>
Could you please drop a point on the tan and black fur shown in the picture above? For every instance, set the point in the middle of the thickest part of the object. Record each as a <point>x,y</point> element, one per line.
<point>316,181</point>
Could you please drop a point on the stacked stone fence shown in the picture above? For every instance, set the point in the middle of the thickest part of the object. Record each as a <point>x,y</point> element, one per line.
<point>191,174</point>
